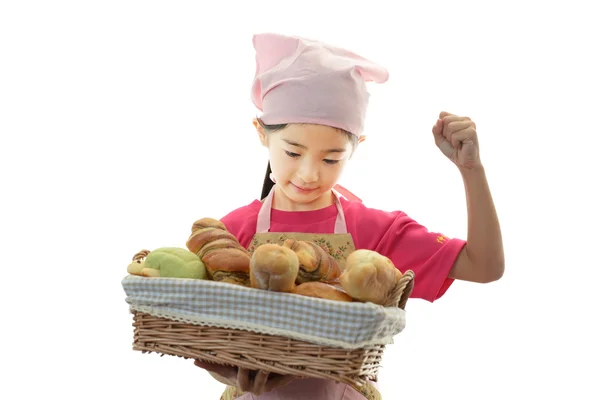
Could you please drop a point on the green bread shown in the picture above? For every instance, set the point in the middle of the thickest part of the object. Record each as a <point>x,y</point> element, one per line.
<point>175,262</point>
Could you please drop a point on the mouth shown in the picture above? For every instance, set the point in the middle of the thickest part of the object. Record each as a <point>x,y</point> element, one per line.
<point>303,189</point>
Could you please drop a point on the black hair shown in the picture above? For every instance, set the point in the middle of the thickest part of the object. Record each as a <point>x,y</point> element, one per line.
<point>268,183</point>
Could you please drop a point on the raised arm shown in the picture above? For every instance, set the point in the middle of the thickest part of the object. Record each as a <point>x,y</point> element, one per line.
<point>482,259</point>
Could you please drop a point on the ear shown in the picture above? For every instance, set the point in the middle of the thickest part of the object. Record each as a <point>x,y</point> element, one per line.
<point>361,139</point>
<point>262,135</point>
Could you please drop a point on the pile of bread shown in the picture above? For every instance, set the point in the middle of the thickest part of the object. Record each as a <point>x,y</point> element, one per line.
<point>299,267</point>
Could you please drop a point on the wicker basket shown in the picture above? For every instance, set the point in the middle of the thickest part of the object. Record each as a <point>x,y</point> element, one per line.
<point>254,351</point>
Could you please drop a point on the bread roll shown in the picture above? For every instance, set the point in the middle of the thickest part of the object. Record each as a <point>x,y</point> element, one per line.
<point>208,223</point>
<point>322,290</point>
<point>174,262</point>
<point>315,263</point>
<point>201,237</point>
<point>220,251</point>
<point>369,276</point>
<point>273,267</point>
<point>229,265</point>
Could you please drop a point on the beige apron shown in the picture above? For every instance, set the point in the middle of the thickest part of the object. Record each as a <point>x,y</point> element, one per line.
<point>339,244</point>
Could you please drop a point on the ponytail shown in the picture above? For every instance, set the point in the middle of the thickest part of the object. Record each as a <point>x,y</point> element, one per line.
<point>268,183</point>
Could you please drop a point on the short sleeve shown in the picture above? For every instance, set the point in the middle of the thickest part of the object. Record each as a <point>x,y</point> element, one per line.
<point>242,224</point>
<point>410,246</point>
<point>430,255</point>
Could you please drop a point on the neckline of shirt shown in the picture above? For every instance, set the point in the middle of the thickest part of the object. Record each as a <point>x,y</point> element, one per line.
<point>299,217</point>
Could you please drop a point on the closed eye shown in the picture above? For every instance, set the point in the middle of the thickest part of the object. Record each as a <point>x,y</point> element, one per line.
<point>326,161</point>
<point>293,155</point>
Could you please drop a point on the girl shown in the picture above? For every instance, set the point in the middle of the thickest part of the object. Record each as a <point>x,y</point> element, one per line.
<point>313,98</point>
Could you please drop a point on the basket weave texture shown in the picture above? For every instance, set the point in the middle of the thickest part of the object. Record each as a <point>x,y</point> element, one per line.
<point>273,353</point>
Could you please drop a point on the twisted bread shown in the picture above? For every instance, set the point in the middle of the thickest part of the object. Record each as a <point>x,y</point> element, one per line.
<point>208,223</point>
<point>220,251</point>
<point>315,263</point>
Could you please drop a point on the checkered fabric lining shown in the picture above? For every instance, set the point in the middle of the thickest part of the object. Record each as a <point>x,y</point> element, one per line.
<point>319,321</point>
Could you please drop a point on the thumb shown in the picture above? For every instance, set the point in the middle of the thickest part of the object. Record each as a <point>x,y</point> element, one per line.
<point>437,130</point>
<point>280,381</point>
<point>224,371</point>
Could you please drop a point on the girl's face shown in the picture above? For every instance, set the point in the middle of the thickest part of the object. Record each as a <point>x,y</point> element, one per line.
<point>307,161</point>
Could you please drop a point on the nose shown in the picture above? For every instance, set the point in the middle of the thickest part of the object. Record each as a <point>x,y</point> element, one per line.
<point>308,172</point>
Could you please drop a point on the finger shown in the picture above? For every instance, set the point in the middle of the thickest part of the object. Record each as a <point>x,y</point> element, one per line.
<point>260,382</point>
<point>455,118</point>
<point>281,380</point>
<point>227,372</point>
<point>446,125</point>
<point>455,126</point>
<point>437,128</point>
<point>459,138</point>
<point>243,379</point>
<point>222,379</point>
<point>203,364</point>
<point>223,370</point>
<point>451,118</point>
<point>208,366</point>
<point>445,114</point>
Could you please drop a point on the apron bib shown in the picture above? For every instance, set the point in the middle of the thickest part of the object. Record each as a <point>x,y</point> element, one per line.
<point>339,245</point>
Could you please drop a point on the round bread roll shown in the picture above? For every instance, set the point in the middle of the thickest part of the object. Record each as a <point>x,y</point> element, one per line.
<point>369,276</point>
<point>174,262</point>
<point>315,263</point>
<point>322,290</point>
<point>273,267</point>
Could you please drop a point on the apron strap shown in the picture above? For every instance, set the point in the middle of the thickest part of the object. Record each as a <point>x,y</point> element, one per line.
<point>346,193</point>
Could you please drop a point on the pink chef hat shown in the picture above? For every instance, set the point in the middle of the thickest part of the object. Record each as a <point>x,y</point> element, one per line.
<point>305,81</point>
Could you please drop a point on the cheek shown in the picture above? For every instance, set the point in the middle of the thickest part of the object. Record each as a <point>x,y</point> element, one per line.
<point>280,162</point>
<point>334,173</point>
<point>329,174</point>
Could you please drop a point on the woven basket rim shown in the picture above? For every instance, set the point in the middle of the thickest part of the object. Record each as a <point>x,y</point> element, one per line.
<point>404,289</point>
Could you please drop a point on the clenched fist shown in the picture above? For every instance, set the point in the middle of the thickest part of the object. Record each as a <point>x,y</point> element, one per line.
<point>456,137</point>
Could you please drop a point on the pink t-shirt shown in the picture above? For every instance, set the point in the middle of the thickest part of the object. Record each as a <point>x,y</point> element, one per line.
<point>395,235</point>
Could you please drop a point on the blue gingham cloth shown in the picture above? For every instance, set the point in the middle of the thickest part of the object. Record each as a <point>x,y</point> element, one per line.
<point>217,304</point>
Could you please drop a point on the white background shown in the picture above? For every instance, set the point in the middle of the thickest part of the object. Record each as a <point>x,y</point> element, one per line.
<point>122,122</point>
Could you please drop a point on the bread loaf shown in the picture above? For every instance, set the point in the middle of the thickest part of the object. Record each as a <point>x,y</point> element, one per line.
<point>208,223</point>
<point>369,276</point>
<point>322,290</point>
<point>220,251</point>
<point>273,267</point>
<point>205,230</point>
<point>315,263</point>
